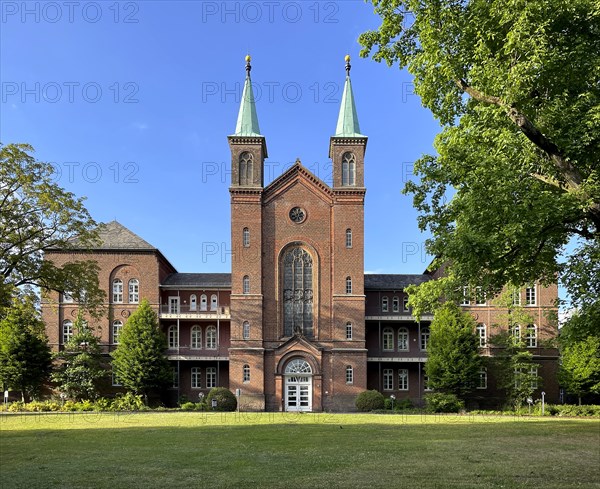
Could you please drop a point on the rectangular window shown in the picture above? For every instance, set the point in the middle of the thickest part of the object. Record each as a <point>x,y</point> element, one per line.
<point>424,338</point>
<point>196,378</point>
<point>348,238</point>
<point>388,379</point>
<point>349,375</point>
<point>516,297</point>
<point>403,379</point>
<point>348,331</point>
<point>482,378</point>
<point>175,378</point>
<point>246,373</point>
<point>530,296</point>
<point>211,377</point>
<point>465,301</point>
<point>482,333</point>
<point>67,297</point>
<point>348,285</point>
<point>173,305</point>
<point>388,339</point>
<point>479,296</point>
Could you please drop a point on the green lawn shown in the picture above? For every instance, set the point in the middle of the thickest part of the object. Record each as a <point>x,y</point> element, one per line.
<point>190,450</point>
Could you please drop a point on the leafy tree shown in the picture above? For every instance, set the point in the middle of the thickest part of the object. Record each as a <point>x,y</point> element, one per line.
<point>139,360</point>
<point>80,368</point>
<point>25,359</point>
<point>37,215</point>
<point>453,360</point>
<point>514,84</point>
<point>580,368</point>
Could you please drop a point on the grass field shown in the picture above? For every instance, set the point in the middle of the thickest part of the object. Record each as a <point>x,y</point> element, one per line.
<point>277,450</point>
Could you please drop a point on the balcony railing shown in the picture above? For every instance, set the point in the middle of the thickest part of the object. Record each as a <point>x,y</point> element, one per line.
<point>170,311</point>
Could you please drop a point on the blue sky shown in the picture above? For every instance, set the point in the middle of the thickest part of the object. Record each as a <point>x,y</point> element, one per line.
<point>132,102</point>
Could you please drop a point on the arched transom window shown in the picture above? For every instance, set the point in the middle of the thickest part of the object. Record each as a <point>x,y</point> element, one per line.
<point>348,169</point>
<point>297,292</point>
<point>298,366</point>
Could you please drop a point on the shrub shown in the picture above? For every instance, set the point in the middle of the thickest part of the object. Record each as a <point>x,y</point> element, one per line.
<point>226,401</point>
<point>370,401</point>
<point>405,404</point>
<point>438,402</point>
<point>128,402</point>
<point>189,406</point>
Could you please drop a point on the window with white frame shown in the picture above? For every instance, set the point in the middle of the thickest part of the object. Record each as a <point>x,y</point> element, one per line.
<point>173,335</point>
<point>426,385</point>
<point>424,338</point>
<point>67,330</point>
<point>530,296</point>
<point>405,307</point>
<point>349,374</point>
<point>348,285</point>
<point>246,237</point>
<point>465,299</point>
<point>203,302</point>
<point>402,339</point>
<point>384,304</point>
<point>196,337</point>
<point>516,297</point>
<point>211,377</point>
<point>211,338</point>
<point>116,382</point>
<point>134,291</point>
<point>246,373</point>
<point>482,383</point>
<point>395,304</point>
<point>522,375</point>
<point>515,332</point>
<point>246,285</point>
<point>482,334</point>
<point>348,330</point>
<point>117,327</point>
<point>246,330</point>
<point>348,238</point>
<point>193,302</point>
<point>533,372</point>
<point>479,296</point>
<point>531,336</point>
<point>214,303</point>
<point>402,379</point>
<point>67,297</point>
<point>196,378</point>
<point>388,339</point>
<point>388,379</point>
<point>175,379</point>
<point>117,290</point>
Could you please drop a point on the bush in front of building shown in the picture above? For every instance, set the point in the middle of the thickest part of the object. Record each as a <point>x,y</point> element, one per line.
<point>370,401</point>
<point>226,400</point>
<point>439,402</point>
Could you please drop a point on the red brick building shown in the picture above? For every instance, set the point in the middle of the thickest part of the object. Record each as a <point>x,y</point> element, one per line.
<point>297,325</point>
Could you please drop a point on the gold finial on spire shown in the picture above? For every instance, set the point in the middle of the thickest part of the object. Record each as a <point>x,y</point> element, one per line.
<point>348,66</point>
<point>248,66</point>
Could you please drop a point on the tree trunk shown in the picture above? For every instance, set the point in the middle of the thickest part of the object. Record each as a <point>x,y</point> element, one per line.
<point>579,397</point>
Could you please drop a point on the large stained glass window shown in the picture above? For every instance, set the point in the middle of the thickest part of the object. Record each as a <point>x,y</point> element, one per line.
<point>297,292</point>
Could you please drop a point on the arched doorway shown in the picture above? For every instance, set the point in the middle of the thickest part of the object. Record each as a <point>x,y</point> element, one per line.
<point>298,386</point>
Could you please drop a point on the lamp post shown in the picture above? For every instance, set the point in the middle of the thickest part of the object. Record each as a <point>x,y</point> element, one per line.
<point>393,398</point>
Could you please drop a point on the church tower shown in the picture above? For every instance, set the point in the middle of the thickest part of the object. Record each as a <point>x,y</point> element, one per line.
<point>248,152</point>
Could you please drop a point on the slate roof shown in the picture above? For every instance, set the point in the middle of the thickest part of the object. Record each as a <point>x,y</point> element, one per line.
<point>200,280</point>
<point>115,236</point>
<point>393,281</point>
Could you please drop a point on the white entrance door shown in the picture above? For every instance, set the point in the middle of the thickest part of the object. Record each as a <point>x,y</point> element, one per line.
<point>298,386</point>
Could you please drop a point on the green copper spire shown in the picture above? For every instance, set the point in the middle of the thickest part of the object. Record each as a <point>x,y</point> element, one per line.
<point>347,124</point>
<point>247,121</point>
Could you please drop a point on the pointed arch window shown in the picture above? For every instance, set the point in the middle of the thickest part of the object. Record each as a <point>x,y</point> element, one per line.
<point>297,292</point>
<point>348,170</point>
<point>246,168</point>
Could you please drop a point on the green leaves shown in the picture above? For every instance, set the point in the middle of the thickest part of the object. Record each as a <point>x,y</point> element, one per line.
<point>139,360</point>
